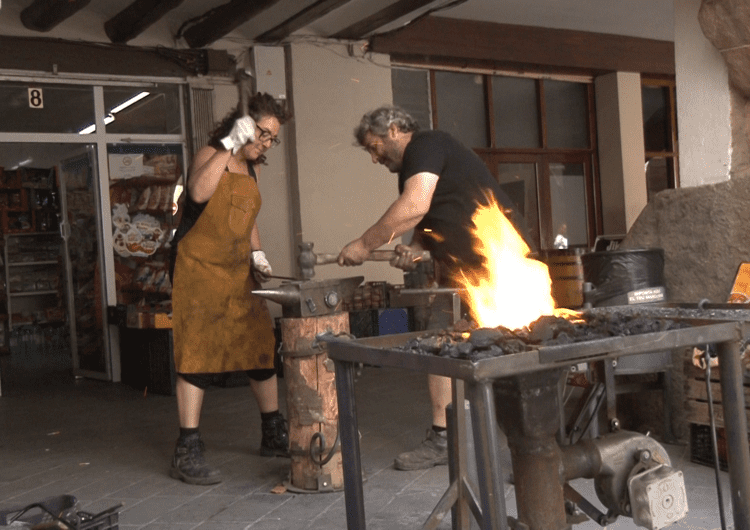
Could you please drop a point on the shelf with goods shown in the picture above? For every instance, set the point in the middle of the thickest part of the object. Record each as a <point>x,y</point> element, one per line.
<point>28,200</point>
<point>34,293</point>
<point>142,224</point>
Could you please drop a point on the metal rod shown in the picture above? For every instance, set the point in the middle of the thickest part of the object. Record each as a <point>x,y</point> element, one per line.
<point>735,427</point>
<point>489,470</point>
<point>459,451</point>
<point>714,445</point>
<point>350,453</point>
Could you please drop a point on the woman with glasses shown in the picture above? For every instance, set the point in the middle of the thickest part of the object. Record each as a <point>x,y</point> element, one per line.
<point>218,325</point>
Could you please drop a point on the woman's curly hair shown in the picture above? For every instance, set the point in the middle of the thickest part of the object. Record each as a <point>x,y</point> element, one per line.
<point>259,106</point>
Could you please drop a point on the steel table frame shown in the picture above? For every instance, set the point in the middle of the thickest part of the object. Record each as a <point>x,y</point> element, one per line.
<point>478,378</point>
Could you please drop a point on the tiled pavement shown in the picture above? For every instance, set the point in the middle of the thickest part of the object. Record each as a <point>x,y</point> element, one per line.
<point>108,443</point>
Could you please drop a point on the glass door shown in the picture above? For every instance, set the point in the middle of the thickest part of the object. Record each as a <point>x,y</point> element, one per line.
<point>80,216</point>
<point>43,263</point>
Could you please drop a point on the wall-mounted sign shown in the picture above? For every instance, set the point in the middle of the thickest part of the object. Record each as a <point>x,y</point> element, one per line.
<point>36,98</point>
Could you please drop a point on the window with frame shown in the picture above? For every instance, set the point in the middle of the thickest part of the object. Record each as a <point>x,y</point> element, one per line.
<point>536,135</point>
<point>660,135</point>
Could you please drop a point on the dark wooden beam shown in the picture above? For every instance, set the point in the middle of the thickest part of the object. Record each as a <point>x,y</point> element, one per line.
<point>43,15</point>
<point>388,14</point>
<point>468,41</point>
<point>76,57</point>
<point>308,15</point>
<point>136,18</point>
<point>223,19</point>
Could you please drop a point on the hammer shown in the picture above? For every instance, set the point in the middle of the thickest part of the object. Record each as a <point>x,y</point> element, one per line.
<point>308,259</point>
<point>242,77</point>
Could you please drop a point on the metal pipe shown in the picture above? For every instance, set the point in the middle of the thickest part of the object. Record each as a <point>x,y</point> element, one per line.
<point>530,419</point>
<point>735,426</point>
<point>714,444</point>
<point>489,473</point>
<point>350,453</point>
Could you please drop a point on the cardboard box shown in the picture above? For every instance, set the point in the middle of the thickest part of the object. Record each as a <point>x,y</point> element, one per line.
<point>125,166</point>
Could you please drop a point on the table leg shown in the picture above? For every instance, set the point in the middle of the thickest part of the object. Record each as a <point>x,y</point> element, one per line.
<point>735,426</point>
<point>489,471</point>
<point>350,453</point>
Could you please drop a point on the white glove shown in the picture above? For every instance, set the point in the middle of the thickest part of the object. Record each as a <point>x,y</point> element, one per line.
<point>243,131</point>
<point>261,268</point>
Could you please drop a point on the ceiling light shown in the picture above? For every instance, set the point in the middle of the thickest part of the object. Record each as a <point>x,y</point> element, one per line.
<point>91,128</point>
<point>129,102</point>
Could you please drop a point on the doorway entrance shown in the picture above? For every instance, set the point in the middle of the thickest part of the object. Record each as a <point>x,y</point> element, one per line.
<point>56,145</point>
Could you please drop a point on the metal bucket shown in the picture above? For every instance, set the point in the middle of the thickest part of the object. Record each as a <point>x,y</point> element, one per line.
<point>623,277</point>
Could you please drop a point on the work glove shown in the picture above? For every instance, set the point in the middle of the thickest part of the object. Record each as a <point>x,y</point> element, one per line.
<point>261,268</point>
<point>404,258</point>
<point>243,131</point>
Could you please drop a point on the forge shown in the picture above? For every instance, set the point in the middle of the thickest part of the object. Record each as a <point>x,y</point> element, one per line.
<point>511,378</point>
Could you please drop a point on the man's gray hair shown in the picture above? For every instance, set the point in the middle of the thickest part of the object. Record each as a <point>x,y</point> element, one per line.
<point>378,121</point>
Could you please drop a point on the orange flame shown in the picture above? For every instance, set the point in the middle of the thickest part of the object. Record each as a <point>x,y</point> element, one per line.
<point>511,289</point>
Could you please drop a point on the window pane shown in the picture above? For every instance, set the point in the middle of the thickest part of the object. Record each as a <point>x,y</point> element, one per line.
<point>148,110</point>
<point>569,212</point>
<point>567,112</point>
<point>659,173</point>
<point>411,92</point>
<point>657,131</point>
<point>518,181</point>
<point>45,108</point>
<point>460,107</point>
<point>516,112</point>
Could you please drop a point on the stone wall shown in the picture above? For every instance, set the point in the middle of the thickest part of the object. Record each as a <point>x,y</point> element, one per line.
<point>705,230</point>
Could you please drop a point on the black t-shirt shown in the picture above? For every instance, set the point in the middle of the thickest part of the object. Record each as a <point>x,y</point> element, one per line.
<point>464,182</point>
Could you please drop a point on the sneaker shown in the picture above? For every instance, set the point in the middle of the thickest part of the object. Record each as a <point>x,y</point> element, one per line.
<point>432,452</point>
<point>275,441</point>
<point>189,464</point>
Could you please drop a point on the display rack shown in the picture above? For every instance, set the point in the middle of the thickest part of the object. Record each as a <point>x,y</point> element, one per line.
<point>141,191</point>
<point>33,278</point>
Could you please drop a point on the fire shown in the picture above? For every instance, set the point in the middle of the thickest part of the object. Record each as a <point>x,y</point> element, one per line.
<point>511,290</point>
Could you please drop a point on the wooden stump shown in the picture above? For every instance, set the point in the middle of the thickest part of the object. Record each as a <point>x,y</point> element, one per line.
<point>311,401</point>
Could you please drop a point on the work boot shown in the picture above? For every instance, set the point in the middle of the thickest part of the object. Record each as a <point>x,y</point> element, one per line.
<point>275,441</point>
<point>189,464</point>
<point>432,452</point>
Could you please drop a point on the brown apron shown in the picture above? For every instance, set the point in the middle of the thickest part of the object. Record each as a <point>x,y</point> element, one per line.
<point>218,325</point>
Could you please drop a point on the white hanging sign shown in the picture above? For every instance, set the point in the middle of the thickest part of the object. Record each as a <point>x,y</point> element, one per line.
<point>36,98</point>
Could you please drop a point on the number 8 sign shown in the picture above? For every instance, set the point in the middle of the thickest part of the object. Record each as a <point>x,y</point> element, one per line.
<point>36,98</point>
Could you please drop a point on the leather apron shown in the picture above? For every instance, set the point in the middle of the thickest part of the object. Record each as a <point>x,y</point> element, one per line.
<point>218,325</point>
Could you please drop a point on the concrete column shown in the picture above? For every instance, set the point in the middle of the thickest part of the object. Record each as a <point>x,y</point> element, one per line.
<point>703,102</point>
<point>621,151</point>
<point>339,191</point>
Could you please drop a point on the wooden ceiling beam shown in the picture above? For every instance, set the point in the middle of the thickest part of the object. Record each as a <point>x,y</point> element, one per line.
<point>223,19</point>
<point>136,18</point>
<point>43,15</point>
<point>367,25</point>
<point>307,16</point>
<point>439,37</point>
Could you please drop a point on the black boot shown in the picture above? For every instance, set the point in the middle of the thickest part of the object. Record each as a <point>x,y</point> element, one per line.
<point>189,464</point>
<point>275,440</point>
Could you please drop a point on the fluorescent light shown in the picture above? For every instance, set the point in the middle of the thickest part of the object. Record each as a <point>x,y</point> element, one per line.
<point>22,163</point>
<point>91,128</point>
<point>129,102</point>
<point>109,118</point>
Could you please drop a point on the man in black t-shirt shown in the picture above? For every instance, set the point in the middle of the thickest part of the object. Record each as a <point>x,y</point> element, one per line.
<point>440,183</point>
